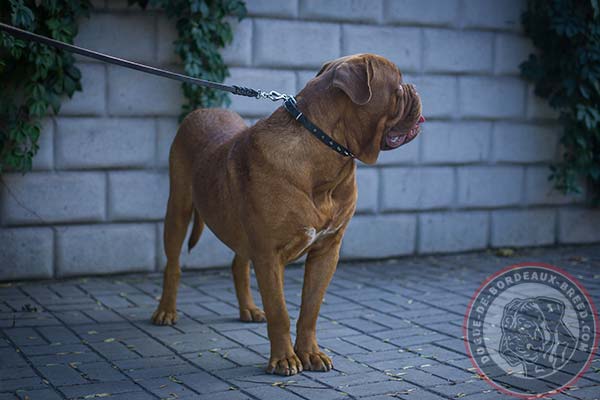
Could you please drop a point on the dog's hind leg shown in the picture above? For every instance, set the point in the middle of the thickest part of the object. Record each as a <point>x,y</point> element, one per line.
<point>249,312</point>
<point>179,213</point>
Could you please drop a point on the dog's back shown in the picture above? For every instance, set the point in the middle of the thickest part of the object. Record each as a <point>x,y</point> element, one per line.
<point>204,131</point>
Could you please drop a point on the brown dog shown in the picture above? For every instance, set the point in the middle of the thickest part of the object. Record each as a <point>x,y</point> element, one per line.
<point>273,192</point>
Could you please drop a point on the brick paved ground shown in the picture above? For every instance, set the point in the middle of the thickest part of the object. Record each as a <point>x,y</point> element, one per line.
<point>393,329</point>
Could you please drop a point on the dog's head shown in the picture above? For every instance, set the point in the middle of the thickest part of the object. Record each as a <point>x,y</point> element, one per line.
<point>377,110</point>
<point>533,332</point>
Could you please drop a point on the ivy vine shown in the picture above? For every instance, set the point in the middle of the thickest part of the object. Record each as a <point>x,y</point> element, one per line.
<point>566,72</point>
<point>203,30</point>
<point>34,77</point>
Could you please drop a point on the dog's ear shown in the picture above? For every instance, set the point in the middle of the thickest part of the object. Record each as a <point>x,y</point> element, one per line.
<point>324,67</point>
<point>353,77</point>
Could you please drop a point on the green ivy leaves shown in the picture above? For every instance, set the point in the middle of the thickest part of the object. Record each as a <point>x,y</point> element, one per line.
<point>566,71</point>
<point>203,30</point>
<point>34,77</point>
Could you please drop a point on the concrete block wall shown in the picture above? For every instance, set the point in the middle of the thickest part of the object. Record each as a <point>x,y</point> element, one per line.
<point>475,178</point>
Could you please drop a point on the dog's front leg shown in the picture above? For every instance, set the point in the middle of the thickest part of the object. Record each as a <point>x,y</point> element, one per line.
<point>283,360</point>
<point>320,266</point>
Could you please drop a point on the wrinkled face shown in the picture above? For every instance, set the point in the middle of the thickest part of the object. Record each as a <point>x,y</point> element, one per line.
<point>379,111</point>
<point>405,126</point>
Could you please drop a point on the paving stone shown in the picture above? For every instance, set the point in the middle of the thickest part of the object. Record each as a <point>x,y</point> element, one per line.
<point>388,387</point>
<point>58,335</point>
<point>202,383</point>
<point>60,375</point>
<point>391,329</point>
<point>229,395</point>
<point>99,389</point>
<point>101,372</point>
<point>209,361</point>
<point>271,392</point>
<point>42,394</point>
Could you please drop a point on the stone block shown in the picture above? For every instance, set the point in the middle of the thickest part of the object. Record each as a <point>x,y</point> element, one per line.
<point>579,225</point>
<point>342,10</point>
<point>538,108</point>
<point>452,232</point>
<point>83,143</point>
<point>367,181</point>
<point>492,97</point>
<point>128,36</point>
<point>167,129</point>
<point>92,99</point>
<point>447,50</point>
<point>26,253</point>
<point>298,44</point>
<point>493,14</point>
<point>269,8</point>
<point>455,142</point>
<point>520,228</point>
<point>137,195</point>
<point>135,93</point>
<point>438,94</point>
<point>511,51</point>
<point>539,190</point>
<point>524,143</point>
<point>379,236</point>
<point>44,158</point>
<point>165,47</point>
<point>105,249</point>
<point>489,186</point>
<point>239,52</point>
<point>45,198</point>
<point>417,188</point>
<point>400,45</point>
<point>421,12</point>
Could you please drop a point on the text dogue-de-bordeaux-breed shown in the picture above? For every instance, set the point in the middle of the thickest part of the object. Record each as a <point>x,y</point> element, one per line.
<point>273,192</point>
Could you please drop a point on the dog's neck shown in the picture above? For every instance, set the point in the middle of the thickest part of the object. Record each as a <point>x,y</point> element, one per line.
<point>296,152</point>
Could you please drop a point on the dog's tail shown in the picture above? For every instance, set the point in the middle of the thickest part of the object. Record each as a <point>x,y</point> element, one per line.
<point>197,228</point>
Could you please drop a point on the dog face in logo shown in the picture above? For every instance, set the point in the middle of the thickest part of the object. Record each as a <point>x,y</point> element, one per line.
<point>535,336</point>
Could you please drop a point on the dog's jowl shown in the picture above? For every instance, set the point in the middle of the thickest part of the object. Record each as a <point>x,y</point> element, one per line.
<point>274,192</point>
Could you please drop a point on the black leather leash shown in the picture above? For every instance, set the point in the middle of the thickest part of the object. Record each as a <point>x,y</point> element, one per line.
<point>289,101</point>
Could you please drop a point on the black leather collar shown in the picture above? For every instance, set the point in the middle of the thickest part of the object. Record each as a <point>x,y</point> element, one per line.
<point>290,106</point>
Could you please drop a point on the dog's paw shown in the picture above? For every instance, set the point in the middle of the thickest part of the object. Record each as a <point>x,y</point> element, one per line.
<point>252,315</point>
<point>288,365</point>
<point>315,361</point>
<point>164,316</point>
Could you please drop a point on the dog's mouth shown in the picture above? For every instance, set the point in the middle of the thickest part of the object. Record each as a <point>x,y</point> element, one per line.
<point>394,138</point>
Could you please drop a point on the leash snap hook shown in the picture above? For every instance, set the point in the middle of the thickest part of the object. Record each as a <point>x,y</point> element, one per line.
<point>272,95</point>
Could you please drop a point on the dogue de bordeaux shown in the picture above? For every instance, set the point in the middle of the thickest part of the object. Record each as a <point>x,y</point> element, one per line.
<point>273,192</point>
